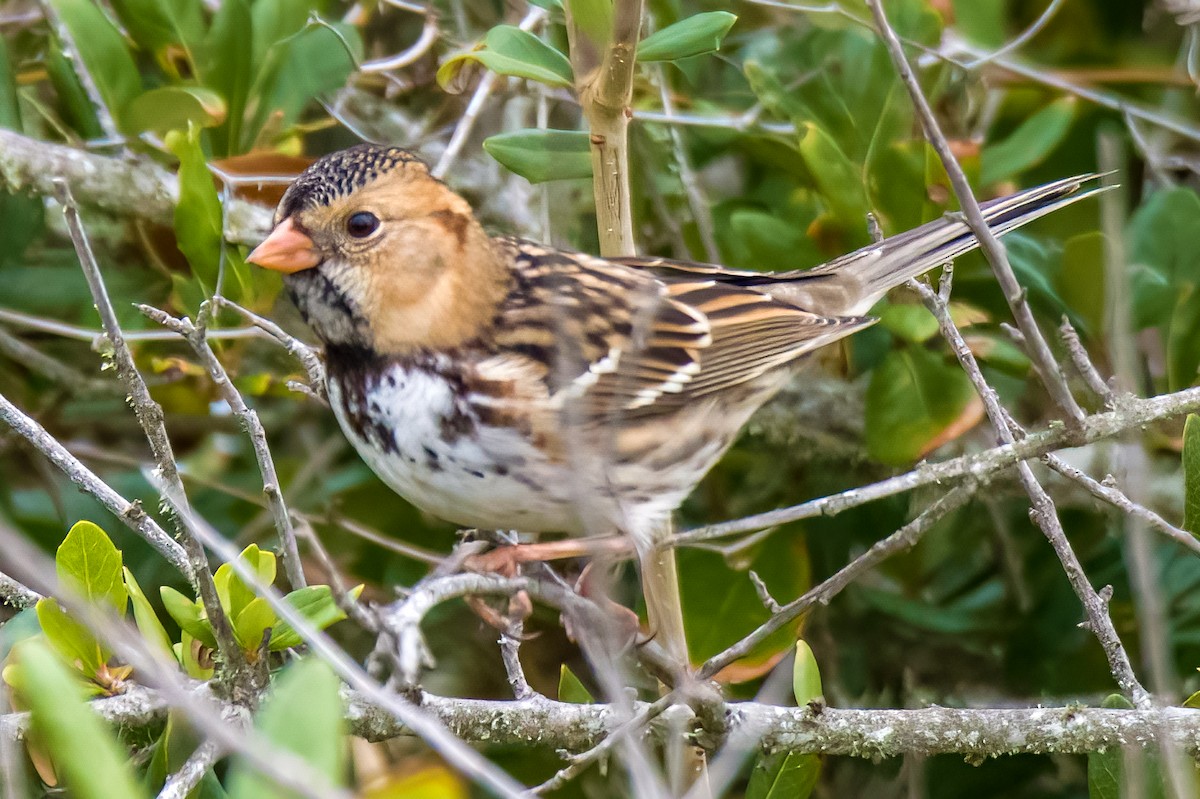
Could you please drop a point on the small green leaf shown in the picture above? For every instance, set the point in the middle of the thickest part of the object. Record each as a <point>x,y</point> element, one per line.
<point>145,617</point>
<point>806,676</point>
<point>253,621</point>
<point>1029,144</point>
<point>84,749</point>
<point>174,108</point>
<point>71,639</point>
<point>304,715</point>
<point>1191,474</point>
<point>88,562</point>
<point>1081,281</point>
<point>317,605</point>
<point>696,35</point>
<point>1192,701</point>
<point>541,155</point>
<point>786,775</point>
<point>235,595</point>
<point>908,321</point>
<point>224,65</point>
<point>189,615</point>
<point>571,689</point>
<point>839,179</point>
<point>103,51</point>
<point>508,50</point>
<point>913,397</point>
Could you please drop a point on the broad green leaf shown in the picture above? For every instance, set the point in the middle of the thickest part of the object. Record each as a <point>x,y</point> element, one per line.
<point>1029,144</point>
<point>1183,338</point>
<point>785,775</point>
<point>696,35</point>
<point>541,155</point>
<point>1191,474</point>
<point>88,562</point>
<point>224,64</point>
<point>198,221</point>
<point>71,639</point>
<point>22,215</point>
<point>806,675</point>
<point>773,241</point>
<point>304,715</point>
<point>252,622</point>
<point>909,321</point>
<point>1162,252</point>
<point>839,180</point>
<point>145,617</point>
<point>189,615</point>
<point>508,50</point>
<point>77,108</point>
<point>914,397</point>
<point>985,22</point>
<point>157,24</point>
<point>85,750</point>
<point>103,51</point>
<point>571,688</point>
<point>1081,281</point>
<point>174,108</point>
<point>317,605</point>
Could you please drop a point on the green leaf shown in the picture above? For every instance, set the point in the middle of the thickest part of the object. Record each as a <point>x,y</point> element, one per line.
<point>189,615</point>
<point>22,215</point>
<point>103,51</point>
<point>88,562</point>
<point>252,623</point>
<point>786,775</point>
<point>1029,144</point>
<point>1183,338</point>
<point>225,65</point>
<point>1162,252</point>
<point>1191,474</point>
<point>317,605</point>
<point>908,321</point>
<point>145,617</point>
<point>508,50</point>
<point>235,595</point>
<point>913,397</point>
<point>77,108</point>
<point>1081,281</point>
<point>541,155</point>
<point>71,639</point>
<point>84,749</point>
<point>806,676</point>
<point>304,715</point>
<point>571,688</point>
<point>158,24</point>
<point>839,179</point>
<point>696,35</point>
<point>174,108</point>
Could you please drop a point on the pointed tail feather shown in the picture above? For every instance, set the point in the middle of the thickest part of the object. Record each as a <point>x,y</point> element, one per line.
<point>864,276</point>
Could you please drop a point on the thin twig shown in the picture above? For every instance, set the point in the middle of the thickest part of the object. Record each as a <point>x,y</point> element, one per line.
<point>306,355</point>
<point>1084,366</point>
<point>128,513</point>
<point>181,783</point>
<point>904,538</point>
<point>38,362</point>
<point>1039,351</point>
<point>16,595</point>
<point>194,336</point>
<point>150,417</point>
<point>982,466</point>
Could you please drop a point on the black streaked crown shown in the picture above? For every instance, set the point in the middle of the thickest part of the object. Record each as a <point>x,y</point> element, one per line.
<point>338,174</point>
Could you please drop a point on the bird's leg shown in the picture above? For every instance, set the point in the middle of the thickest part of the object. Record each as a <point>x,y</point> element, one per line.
<point>507,559</point>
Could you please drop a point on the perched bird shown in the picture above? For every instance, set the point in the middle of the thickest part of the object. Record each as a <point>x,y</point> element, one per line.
<point>501,384</point>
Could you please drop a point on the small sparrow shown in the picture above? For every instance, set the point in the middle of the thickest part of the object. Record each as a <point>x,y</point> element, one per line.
<point>502,384</point>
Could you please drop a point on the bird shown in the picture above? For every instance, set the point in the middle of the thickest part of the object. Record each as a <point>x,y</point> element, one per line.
<point>498,383</point>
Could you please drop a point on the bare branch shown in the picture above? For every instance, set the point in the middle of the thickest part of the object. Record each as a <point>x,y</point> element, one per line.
<point>181,783</point>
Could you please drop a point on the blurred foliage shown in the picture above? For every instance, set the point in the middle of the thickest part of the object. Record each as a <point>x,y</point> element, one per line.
<point>797,128</point>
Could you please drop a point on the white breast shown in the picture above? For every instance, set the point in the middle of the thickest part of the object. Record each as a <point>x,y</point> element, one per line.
<point>424,441</point>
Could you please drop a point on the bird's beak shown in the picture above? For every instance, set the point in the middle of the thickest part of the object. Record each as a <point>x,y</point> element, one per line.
<point>286,250</point>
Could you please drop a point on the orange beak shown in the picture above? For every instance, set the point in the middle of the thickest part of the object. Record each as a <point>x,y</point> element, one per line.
<point>286,250</point>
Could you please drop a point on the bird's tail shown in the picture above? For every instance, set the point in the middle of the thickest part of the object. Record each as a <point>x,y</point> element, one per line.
<point>860,279</point>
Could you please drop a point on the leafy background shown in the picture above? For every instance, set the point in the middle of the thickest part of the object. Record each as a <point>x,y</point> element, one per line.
<point>802,130</point>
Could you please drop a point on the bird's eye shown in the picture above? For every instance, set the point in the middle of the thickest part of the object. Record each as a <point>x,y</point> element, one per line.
<point>362,224</point>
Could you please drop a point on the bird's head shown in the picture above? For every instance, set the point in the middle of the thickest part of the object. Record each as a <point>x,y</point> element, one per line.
<point>377,252</point>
